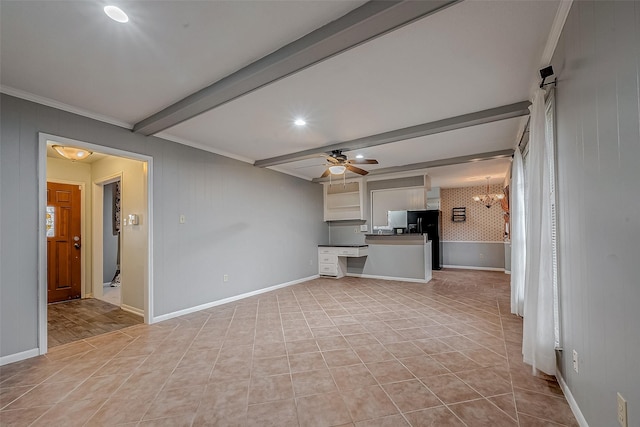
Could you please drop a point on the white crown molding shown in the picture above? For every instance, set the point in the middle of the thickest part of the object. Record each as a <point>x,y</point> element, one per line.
<point>203,147</point>
<point>550,47</point>
<point>556,31</point>
<point>287,172</point>
<point>62,106</point>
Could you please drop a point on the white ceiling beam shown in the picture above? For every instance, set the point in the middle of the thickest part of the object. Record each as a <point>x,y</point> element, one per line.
<point>466,120</point>
<point>373,19</point>
<point>437,163</point>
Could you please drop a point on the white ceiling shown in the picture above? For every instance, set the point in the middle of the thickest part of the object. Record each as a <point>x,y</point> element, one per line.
<point>472,56</point>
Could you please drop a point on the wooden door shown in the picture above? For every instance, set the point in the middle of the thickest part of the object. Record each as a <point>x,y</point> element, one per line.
<point>63,242</point>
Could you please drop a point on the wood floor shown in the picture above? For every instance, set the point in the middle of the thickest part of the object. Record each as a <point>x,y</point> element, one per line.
<point>84,318</point>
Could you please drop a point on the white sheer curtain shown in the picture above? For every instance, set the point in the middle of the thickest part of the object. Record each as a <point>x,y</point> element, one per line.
<point>518,236</point>
<point>538,346</point>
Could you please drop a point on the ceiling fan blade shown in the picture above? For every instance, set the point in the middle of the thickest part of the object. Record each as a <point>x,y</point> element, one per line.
<point>356,170</point>
<point>363,161</point>
<point>325,174</point>
<point>333,160</point>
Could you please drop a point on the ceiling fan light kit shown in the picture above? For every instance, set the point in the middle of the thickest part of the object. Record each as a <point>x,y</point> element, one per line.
<point>339,164</point>
<point>337,169</point>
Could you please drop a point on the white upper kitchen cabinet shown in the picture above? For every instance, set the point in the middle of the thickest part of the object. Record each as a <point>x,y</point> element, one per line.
<point>343,200</point>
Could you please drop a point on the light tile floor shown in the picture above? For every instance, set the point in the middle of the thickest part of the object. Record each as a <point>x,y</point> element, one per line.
<point>348,352</point>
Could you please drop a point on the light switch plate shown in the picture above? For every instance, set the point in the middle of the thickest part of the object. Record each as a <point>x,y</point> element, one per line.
<point>364,227</point>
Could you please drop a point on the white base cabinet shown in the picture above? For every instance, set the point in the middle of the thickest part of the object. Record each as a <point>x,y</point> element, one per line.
<point>332,260</point>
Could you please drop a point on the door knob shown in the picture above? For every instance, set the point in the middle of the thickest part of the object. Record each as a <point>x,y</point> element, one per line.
<point>76,245</point>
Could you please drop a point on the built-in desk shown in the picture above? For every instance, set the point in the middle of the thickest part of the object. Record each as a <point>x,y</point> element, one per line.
<point>332,260</point>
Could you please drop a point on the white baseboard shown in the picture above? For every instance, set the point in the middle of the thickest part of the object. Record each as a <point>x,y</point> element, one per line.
<point>132,310</point>
<point>168,316</point>
<point>472,267</point>
<point>88,295</point>
<point>5,360</point>
<point>507,272</point>
<point>398,279</point>
<point>570,400</point>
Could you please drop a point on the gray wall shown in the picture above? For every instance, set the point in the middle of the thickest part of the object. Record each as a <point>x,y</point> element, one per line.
<point>258,226</point>
<point>109,241</point>
<point>473,254</point>
<point>598,151</point>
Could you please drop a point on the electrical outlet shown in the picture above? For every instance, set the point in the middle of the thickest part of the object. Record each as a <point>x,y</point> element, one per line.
<point>225,278</point>
<point>575,361</point>
<point>356,230</point>
<point>622,411</point>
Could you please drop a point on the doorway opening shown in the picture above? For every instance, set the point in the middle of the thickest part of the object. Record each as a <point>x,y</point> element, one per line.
<point>87,237</point>
<point>111,245</point>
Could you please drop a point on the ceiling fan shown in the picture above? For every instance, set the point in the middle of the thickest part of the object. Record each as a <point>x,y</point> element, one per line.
<point>338,164</point>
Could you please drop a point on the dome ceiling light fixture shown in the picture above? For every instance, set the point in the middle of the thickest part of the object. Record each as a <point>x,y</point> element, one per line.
<point>488,199</point>
<point>337,169</point>
<point>72,153</point>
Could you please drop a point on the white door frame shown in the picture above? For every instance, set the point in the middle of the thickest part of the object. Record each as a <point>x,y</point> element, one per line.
<point>42,239</point>
<point>98,229</point>
<point>83,231</point>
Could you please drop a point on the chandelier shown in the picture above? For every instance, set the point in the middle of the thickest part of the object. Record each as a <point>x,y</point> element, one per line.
<point>488,199</point>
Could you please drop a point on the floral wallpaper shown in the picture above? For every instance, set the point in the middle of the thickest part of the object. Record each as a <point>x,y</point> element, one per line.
<point>482,225</point>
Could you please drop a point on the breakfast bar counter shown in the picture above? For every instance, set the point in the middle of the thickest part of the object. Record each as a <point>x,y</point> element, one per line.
<point>405,257</point>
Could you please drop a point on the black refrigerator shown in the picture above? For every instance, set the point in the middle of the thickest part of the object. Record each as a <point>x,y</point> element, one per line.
<point>429,222</point>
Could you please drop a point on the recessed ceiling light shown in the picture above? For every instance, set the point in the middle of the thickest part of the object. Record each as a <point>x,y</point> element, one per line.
<point>359,156</point>
<point>115,13</point>
<point>299,122</point>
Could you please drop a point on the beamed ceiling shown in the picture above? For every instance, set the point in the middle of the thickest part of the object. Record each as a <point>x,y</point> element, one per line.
<point>439,87</point>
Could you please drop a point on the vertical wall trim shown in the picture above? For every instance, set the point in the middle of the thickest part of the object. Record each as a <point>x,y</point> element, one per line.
<point>42,244</point>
